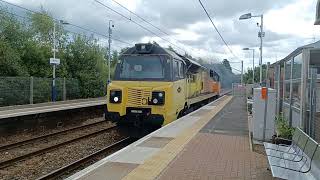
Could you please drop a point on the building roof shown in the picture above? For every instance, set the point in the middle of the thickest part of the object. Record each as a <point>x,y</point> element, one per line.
<point>299,50</point>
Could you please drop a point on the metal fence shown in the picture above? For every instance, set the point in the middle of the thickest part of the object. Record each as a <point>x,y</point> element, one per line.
<point>238,89</point>
<point>30,90</point>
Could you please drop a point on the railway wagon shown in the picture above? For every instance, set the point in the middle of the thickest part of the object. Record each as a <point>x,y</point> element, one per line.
<point>154,86</point>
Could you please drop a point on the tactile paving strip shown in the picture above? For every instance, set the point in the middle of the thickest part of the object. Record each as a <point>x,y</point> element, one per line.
<point>155,142</point>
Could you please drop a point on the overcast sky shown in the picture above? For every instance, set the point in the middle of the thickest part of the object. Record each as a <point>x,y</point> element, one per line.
<point>288,24</point>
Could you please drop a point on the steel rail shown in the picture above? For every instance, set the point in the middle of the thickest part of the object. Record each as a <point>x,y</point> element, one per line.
<point>7,163</point>
<point>31,140</point>
<point>74,165</point>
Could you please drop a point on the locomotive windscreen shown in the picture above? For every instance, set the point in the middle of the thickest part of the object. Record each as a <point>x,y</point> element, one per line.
<point>147,67</point>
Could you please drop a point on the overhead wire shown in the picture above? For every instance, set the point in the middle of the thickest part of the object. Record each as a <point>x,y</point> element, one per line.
<point>135,22</point>
<point>71,24</point>
<point>138,24</point>
<point>68,31</point>
<point>148,22</point>
<point>143,19</point>
<point>220,35</point>
<point>215,27</point>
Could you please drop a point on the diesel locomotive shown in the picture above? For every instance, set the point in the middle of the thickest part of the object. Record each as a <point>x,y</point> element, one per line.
<point>154,86</point>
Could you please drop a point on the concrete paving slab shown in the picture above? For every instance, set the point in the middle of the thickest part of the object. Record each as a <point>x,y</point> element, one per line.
<point>176,128</point>
<point>110,171</point>
<point>155,142</point>
<point>135,155</point>
<point>233,119</point>
<point>200,112</point>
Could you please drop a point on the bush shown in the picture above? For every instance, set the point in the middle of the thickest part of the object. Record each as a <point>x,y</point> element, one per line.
<point>283,128</point>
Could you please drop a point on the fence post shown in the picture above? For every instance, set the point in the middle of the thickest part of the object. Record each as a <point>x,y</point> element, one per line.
<point>64,89</point>
<point>31,90</point>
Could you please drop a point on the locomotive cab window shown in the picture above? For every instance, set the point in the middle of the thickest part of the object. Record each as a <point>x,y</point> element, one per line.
<point>175,69</point>
<point>181,70</point>
<point>178,70</point>
<point>144,67</point>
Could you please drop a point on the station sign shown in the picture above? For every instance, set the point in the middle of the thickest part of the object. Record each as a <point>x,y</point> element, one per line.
<point>54,61</point>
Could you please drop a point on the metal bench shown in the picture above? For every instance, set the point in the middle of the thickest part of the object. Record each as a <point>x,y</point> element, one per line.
<point>300,160</point>
<point>298,144</point>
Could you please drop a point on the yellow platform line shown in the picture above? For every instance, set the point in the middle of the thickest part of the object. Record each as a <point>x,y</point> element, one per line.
<point>153,166</point>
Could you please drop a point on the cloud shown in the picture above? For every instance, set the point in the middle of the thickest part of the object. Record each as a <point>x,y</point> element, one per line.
<point>288,24</point>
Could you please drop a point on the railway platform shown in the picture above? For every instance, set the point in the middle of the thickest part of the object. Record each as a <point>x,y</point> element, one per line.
<point>31,109</point>
<point>209,143</point>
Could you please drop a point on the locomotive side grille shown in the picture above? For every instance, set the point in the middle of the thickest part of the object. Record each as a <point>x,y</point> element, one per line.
<point>136,96</point>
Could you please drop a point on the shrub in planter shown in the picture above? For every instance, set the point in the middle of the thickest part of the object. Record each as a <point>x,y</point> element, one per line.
<point>284,131</point>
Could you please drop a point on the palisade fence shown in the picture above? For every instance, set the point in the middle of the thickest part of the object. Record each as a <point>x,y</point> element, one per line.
<point>32,90</point>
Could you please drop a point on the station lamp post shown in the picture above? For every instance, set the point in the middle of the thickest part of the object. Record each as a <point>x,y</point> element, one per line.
<point>261,34</point>
<point>317,21</point>
<point>111,25</point>
<point>54,61</point>
<point>247,49</point>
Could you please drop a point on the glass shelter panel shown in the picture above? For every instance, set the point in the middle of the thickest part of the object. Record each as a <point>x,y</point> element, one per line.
<point>287,92</point>
<point>296,93</point>
<point>297,67</point>
<point>296,80</point>
<point>288,70</point>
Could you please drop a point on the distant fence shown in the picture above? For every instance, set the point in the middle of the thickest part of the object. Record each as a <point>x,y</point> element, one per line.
<point>238,89</point>
<point>30,90</point>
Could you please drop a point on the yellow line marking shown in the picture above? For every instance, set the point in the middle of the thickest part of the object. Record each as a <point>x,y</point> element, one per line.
<point>153,166</point>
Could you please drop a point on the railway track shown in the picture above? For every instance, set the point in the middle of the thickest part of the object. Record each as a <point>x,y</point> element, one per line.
<point>90,158</point>
<point>39,138</point>
<point>9,162</point>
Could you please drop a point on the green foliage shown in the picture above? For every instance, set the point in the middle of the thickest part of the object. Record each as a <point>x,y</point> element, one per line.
<point>9,61</point>
<point>226,63</point>
<point>247,77</point>
<point>14,90</point>
<point>188,55</point>
<point>25,49</point>
<point>171,48</point>
<point>85,61</point>
<point>284,130</point>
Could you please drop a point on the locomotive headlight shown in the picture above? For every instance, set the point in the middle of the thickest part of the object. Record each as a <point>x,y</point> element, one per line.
<point>115,96</point>
<point>158,98</point>
<point>155,101</point>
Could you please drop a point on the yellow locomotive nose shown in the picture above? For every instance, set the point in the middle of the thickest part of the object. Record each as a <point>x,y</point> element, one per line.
<point>153,85</point>
<point>138,96</point>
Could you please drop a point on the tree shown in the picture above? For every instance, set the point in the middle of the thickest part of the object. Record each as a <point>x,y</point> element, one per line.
<point>9,61</point>
<point>155,43</point>
<point>25,49</point>
<point>226,63</point>
<point>187,55</point>
<point>86,62</point>
<point>201,61</point>
<point>123,50</point>
<point>171,48</point>
<point>247,77</point>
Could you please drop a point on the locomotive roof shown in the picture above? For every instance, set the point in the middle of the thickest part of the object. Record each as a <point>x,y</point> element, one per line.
<point>154,49</point>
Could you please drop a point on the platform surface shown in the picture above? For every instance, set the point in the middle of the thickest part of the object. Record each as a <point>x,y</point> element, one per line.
<point>22,110</point>
<point>220,150</point>
<point>210,143</point>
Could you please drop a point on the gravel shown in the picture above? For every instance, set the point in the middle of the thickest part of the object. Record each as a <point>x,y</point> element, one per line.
<point>50,141</point>
<point>9,139</point>
<point>40,165</point>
